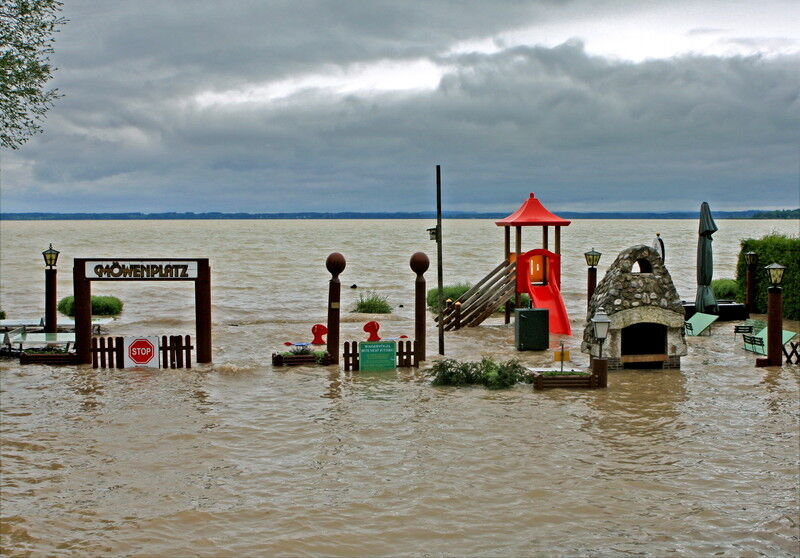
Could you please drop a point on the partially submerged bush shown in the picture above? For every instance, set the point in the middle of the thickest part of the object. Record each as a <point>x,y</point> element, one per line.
<point>449,291</point>
<point>725,289</point>
<point>372,303</point>
<point>101,306</point>
<point>449,372</point>
<point>2,314</point>
<point>487,372</point>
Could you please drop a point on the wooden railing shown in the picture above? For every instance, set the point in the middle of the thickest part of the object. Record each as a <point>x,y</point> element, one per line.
<point>175,351</point>
<point>792,354</point>
<point>107,352</point>
<point>483,299</point>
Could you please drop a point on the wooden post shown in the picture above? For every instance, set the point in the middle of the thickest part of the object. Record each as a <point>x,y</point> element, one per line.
<point>458,315</point>
<point>439,256</point>
<point>600,370</point>
<point>750,289</point>
<point>774,326</point>
<point>202,301</point>
<point>82,291</point>
<point>335,265</point>
<point>419,264</point>
<point>558,239</point>
<point>545,231</point>
<point>517,251</point>
<point>50,300</point>
<point>591,284</point>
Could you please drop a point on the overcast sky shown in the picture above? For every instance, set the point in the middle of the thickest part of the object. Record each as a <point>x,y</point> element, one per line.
<point>300,105</point>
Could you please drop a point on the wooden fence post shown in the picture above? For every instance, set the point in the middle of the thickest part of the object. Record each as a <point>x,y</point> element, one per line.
<point>335,265</point>
<point>419,264</point>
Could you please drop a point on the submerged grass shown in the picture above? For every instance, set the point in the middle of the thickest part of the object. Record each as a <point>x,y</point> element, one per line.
<point>487,372</point>
<point>372,303</point>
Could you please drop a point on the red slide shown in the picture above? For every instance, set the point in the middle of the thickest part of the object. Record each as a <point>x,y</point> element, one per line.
<point>547,295</point>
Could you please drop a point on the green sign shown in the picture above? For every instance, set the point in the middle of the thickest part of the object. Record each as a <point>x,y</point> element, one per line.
<point>376,356</point>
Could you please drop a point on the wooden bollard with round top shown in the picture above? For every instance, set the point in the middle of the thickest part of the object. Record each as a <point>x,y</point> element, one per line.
<point>419,264</point>
<point>335,264</point>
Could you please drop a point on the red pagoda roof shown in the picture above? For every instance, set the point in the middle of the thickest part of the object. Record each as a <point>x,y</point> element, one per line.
<point>532,212</point>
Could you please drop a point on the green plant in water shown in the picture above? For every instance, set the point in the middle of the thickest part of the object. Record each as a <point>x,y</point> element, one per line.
<point>101,306</point>
<point>564,373</point>
<point>372,303</point>
<point>300,351</point>
<point>725,289</point>
<point>2,314</point>
<point>448,291</point>
<point>487,372</point>
<point>449,372</point>
<point>319,356</point>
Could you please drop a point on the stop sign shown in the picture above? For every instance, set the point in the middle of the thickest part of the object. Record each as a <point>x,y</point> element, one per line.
<point>141,351</point>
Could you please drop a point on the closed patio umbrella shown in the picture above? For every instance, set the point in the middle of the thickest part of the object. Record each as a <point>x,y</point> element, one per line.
<point>705,301</point>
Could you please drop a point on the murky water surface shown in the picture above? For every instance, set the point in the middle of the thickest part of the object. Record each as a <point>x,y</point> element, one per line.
<point>238,458</point>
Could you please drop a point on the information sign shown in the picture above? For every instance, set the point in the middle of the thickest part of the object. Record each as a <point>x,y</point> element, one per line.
<point>377,356</point>
<point>141,269</point>
<point>141,352</point>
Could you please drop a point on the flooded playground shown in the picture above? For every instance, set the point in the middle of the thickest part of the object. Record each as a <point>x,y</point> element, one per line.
<point>239,458</point>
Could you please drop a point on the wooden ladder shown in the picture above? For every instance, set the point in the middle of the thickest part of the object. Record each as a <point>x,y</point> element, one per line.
<point>482,300</point>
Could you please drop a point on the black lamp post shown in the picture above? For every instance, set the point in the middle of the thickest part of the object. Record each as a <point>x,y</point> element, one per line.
<point>774,316</point>
<point>50,287</point>
<point>751,259</point>
<point>592,259</point>
<point>600,325</point>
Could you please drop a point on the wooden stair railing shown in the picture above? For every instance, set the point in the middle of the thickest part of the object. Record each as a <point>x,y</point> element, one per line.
<point>481,301</point>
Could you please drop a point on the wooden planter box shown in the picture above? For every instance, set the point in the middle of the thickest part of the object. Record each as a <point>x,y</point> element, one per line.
<point>541,381</point>
<point>48,358</point>
<point>298,360</point>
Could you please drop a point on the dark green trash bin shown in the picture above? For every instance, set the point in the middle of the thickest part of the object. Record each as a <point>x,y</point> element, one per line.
<point>532,329</point>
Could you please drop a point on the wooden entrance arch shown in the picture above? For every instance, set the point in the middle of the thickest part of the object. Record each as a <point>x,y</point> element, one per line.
<point>87,270</point>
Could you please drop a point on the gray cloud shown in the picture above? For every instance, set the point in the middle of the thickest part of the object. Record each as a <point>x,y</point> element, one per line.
<point>582,131</point>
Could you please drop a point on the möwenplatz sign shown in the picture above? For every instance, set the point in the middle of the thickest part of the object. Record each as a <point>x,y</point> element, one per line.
<point>143,269</point>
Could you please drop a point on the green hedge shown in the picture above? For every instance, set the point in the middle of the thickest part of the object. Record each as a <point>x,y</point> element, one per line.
<point>101,306</point>
<point>2,314</point>
<point>778,248</point>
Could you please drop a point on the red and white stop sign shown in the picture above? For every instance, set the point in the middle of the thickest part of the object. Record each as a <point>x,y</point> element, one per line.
<point>141,351</point>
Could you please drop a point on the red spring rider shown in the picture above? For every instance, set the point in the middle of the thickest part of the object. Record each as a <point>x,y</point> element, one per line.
<point>372,328</point>
<point>318,330</point>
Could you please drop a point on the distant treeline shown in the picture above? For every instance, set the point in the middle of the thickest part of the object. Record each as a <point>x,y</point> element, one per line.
<point>748,214</point>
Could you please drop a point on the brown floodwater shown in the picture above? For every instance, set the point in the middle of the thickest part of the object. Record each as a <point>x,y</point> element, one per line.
<point>238,458</point>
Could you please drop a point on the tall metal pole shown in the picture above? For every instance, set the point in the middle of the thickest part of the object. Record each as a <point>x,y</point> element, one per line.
<point>439,255</point>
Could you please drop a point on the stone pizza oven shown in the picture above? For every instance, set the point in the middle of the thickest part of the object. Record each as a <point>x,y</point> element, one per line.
<point>645,310</point>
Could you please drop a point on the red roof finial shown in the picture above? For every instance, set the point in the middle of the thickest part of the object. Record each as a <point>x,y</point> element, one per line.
<point>532,195</point>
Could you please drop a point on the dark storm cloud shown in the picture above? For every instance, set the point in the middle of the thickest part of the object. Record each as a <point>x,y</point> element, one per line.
<point>582,131</point>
